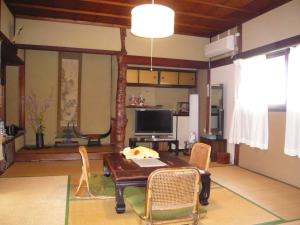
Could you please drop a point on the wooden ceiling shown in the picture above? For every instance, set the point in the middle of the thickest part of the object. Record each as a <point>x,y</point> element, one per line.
<point>203,18</point>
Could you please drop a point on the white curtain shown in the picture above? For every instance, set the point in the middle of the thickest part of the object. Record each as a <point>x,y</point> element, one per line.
<point>249,123</point>
<point>292,129</point>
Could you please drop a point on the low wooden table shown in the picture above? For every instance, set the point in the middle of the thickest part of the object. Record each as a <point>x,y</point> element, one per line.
<point>125,173</point>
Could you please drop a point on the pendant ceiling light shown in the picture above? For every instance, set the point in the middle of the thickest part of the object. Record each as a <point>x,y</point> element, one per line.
<point>152,21</point>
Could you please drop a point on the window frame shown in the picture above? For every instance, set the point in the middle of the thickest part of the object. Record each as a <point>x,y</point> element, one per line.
<point>285,53</point>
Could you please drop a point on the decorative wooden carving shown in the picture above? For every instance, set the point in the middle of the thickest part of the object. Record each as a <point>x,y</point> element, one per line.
<point>123,36</point>
<point>121,119</point>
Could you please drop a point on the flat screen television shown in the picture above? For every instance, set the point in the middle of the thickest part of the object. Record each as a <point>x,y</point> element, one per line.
<point>153,122</point>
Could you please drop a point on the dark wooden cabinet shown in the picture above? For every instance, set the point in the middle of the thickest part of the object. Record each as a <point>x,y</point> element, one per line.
<point>9,152</point>
<point>217,145</point>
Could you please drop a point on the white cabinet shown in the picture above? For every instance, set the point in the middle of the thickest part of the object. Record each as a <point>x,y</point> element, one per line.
<point>181,129</point>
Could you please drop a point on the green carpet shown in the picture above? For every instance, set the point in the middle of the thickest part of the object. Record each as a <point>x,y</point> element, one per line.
<point>102,186</point>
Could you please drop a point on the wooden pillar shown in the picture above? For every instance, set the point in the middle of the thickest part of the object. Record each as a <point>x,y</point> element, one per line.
<point>240,48</point>
<point>3,91</point>
<point>22,96</point>
<point>240,38</point>
<point>236,154</point>
<point>121,119</point>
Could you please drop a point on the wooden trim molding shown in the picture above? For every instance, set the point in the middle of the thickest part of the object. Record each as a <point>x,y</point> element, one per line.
<point>270,47</point>
<point>258,51</point>
<point>22,96</point>
<point>166,62</point>
<point>68,49</point>
<point>221,62</point>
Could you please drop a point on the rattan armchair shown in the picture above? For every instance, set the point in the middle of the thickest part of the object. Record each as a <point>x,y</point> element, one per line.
<point>171,197</point>
<point>200,156</point>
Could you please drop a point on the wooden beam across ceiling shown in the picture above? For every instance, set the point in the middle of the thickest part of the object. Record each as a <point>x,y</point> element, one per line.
<point>193,17</point>
<point>178,11</point>
<point>110,15</point>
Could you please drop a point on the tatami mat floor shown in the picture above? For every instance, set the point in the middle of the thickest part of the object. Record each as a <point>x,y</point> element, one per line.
<point>238,197</point>
<point>280,198</point>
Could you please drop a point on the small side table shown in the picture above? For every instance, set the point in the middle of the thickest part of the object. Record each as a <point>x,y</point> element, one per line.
<point>217,146</point>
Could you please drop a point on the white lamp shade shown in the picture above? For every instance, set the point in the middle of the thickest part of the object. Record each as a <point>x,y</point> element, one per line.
<point>152,21</point>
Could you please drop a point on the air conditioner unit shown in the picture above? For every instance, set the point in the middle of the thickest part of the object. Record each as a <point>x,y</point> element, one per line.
<point>219,47</point>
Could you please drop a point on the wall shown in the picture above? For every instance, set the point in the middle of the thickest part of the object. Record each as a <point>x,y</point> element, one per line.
<point>167,97</point>
<point>275,25</point>
<point>273,162</point>
<point>68,35</point>
<point>95,94</point>
<point>224,75</point>
<point>176,47</point>
<point>6,21</point>
<point>98,37</point>
<point>12,95</point>
<point>280,23</point>
<point>41,70</point>
<point>42,77</point>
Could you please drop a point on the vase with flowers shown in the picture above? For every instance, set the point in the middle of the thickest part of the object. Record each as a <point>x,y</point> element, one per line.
<point>36,116</point>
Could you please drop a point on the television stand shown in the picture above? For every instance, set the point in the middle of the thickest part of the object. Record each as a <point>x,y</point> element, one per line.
<point>155,141</point>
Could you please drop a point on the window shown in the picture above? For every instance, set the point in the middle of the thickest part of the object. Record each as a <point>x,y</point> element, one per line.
<point>276,79</point>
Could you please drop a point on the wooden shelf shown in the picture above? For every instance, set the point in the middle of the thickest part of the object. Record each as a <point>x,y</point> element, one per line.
<point>181,114</point>
<point>159,85</point>
<point>144,107</point>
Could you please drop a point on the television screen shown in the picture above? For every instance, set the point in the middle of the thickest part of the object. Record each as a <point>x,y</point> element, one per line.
<point>153,122</point>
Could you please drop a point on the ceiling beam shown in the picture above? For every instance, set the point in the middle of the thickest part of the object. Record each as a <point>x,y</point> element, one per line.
<point>196,15</point>
<point>76,11</point>
<point>209,3</point>
<point>193,1</point>
<point>84,12</point>
<point>46,18</point>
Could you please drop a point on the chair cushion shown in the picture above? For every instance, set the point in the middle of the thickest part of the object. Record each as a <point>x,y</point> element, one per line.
<point>135,196</point>
<point>101,186</point>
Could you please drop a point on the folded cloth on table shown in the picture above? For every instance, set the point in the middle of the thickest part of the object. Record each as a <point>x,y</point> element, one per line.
<point>139,152</point>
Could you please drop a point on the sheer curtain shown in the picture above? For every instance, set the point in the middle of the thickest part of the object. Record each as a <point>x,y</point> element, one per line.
<point>292,128</point>
<point>249,123</point>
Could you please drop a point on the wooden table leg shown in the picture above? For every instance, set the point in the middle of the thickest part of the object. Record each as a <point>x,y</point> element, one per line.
<point>205,192</point>
<point>177,147</point>
<point>120,204</point>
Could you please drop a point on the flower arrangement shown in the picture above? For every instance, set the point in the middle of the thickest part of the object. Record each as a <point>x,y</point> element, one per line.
<point>36,113</point>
